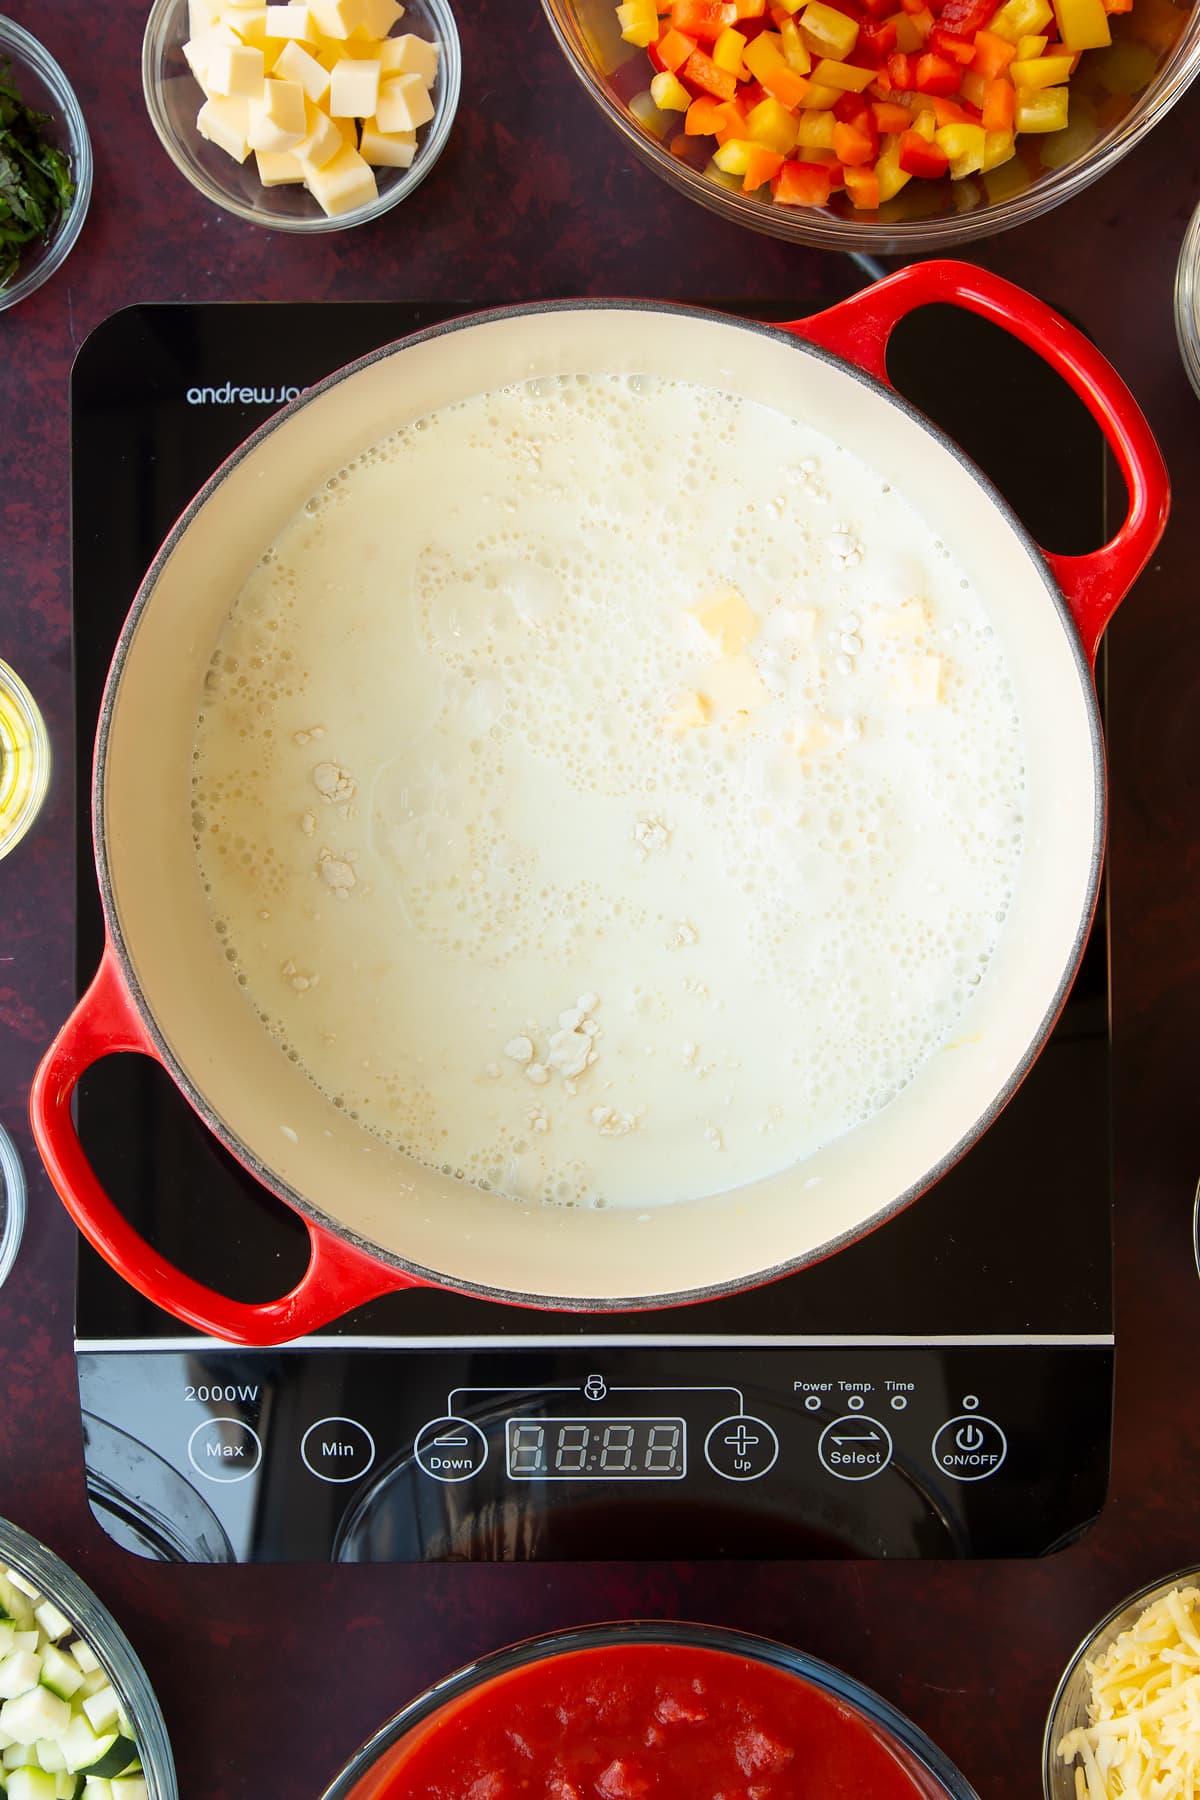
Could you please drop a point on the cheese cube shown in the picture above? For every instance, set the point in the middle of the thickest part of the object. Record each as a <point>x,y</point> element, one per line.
<point>387,149</point>
<point>917,681</point>
<point>354,89</point>
<point>203,15</point>
<point>346,182</point>
<point>294,63</point>
<point>235,72</point>
<point>733,688</point>
<point>727,618</point>
<point>378,17</point>
<point>688,713</point>
<point>321,141</point>
<point>201,49</point>
<point>410,55</point>
<point>336,18</point>
<point>277,167</point>
<point>403,104</point>
<point>288,22</point>
<point>226,123</point>
<point>277,119</point>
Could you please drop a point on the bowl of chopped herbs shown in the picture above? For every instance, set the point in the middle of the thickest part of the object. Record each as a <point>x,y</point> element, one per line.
<point>45,165</point>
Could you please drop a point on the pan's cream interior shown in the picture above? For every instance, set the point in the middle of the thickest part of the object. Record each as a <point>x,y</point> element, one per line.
<point>305,1144</point>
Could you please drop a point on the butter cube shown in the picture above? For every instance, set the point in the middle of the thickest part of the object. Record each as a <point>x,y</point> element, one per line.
<point>289,22</point>
<point>294,63</point>
<point>277,167</point>
<point>403,104</point>
<point>234,72</point>
<point>387,149</point>
<point>277,119</point>
<point>917,681</point>
<point>409,55</point>
<point>807,737</point>
<point>321,142</point>
<point>336,18</point>
<point>240,5</point>
<point>251,26</point>
<point>346,182</point>
<point>354,89</point>
<point>727,618</point>
<point>733,688</point>
<point>226,123</point>
<point>909,619</point>
<point>688,714</point>
<point>378,17</point>
<point>201,49</point>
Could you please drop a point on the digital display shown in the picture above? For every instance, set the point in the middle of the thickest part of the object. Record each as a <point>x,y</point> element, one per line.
<point>607,1449</point>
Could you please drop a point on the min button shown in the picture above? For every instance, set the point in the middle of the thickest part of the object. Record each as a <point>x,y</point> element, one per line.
<point>337,1449</point>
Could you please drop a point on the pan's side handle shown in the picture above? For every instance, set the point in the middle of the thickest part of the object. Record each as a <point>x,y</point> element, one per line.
<point>858,329</point>
<point>105,1023</point>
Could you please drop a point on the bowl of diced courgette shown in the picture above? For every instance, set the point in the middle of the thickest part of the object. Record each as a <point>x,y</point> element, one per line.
<point>78,1717</point>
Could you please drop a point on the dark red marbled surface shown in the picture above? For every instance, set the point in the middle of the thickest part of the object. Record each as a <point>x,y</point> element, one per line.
<point>269,1677</point>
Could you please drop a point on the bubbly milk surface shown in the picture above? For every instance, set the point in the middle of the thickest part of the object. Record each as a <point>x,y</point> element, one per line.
<point>608,791</point>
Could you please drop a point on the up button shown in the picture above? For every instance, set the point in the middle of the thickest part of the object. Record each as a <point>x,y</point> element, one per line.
<point>969,1448</point>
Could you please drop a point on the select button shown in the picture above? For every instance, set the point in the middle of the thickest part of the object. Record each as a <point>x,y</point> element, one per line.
<point>337,1449</point>
<point>855,1447</point>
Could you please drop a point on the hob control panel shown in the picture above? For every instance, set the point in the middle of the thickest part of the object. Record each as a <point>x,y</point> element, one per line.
<point>590,1449</point>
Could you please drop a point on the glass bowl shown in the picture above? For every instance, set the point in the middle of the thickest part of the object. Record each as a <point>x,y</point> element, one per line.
<point>1187,310</point>
<point>1117,94</point>
<point>1069,1707</point>
<point>24,758</point>
<point>12,1204</point>
<point>45,89</point>
<point>932,1776</point>
<point>173,98</point>
<point>93,1622</point>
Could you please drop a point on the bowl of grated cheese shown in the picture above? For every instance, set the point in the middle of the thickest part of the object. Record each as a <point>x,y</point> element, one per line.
<point>1125,1721</point>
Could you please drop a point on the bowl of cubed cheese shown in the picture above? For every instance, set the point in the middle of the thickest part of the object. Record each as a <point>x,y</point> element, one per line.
<point>78,1717</point>
<point>307,116</point>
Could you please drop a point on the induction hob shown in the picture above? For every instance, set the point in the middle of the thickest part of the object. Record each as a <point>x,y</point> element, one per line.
<point>940,1389</point>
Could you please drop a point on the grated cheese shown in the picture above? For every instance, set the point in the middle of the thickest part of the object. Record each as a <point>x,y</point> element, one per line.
<point>1142,1739</point>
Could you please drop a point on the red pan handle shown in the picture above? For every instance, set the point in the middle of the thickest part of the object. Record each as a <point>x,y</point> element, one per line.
<point>338,1277</point>
<point>858,329</point>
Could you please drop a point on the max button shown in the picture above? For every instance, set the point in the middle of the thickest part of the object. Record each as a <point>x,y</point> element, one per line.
<point>224,1450</point>
<point>969,1448</point>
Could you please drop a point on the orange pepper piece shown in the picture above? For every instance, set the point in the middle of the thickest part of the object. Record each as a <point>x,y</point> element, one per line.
<point>703,72</point>
<point>762,166</point>
<point>862,185</point>
<point>999,105</point>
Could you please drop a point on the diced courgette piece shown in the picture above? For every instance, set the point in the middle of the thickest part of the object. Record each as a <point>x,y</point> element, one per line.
<point>116,1754</point>
<point>31,1784</point>
<point>19,1672</point>
<point>24,1584</point>
<point>54,1623</point>
<point>7,1632</point>
<point>60,1673</point>
<point>128,1787</point>
<point>35,1714</point>
<point>50,1756</point>
<point>101,1708</point>
<point>17,1756</point>
<point>27,1640</point>
<point>97,1790</point>
<point>16,1605</point>
<point>85,1656</point>
<point>69,1787</point>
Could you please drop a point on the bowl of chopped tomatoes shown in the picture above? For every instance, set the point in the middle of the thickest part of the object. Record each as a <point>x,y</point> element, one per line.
<point>888,125</point>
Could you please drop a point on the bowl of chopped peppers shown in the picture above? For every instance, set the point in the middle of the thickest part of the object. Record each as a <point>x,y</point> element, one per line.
<point>45,165</point>
<point>885,125</point>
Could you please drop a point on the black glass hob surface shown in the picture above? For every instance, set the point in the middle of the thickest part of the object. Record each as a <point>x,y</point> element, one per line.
<point>940,1389</point>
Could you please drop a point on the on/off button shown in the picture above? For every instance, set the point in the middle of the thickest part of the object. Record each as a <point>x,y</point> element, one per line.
<point>969,1448</point>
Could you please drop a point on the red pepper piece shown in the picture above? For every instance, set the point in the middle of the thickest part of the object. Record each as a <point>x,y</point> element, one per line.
<point>919,157</point>
<point>948,44</point>
<point>875,42</point>
<point>802,184</point>
<point>853,147</point>
<point>953,112</point>
<point>703,72</point>
<point>704,19</point>
<point>851,109</point>
<point>902,72</point>
<point>966,17</point>
<point>934,75</point>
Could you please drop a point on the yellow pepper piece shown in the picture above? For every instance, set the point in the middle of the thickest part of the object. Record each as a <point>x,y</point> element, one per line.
<point>1082,24</point>
<point>669,93</point>
<point>816,129</point>
<point>1041,109</point>
<point>964,144</point>
<point>764,54</point>
<point>826,32</point>
<point>819,97</point>
<point>888,173</point>
<point>794,50</point>
<point>846,76</point>
<point>638,20</point>
<point>1021,18</point>
<point>998,148</point>
<point>1042,72</point>
<point>727,51</point>
<point>733,157</point>
<point>771,124</point>
<point>1029,47</point>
